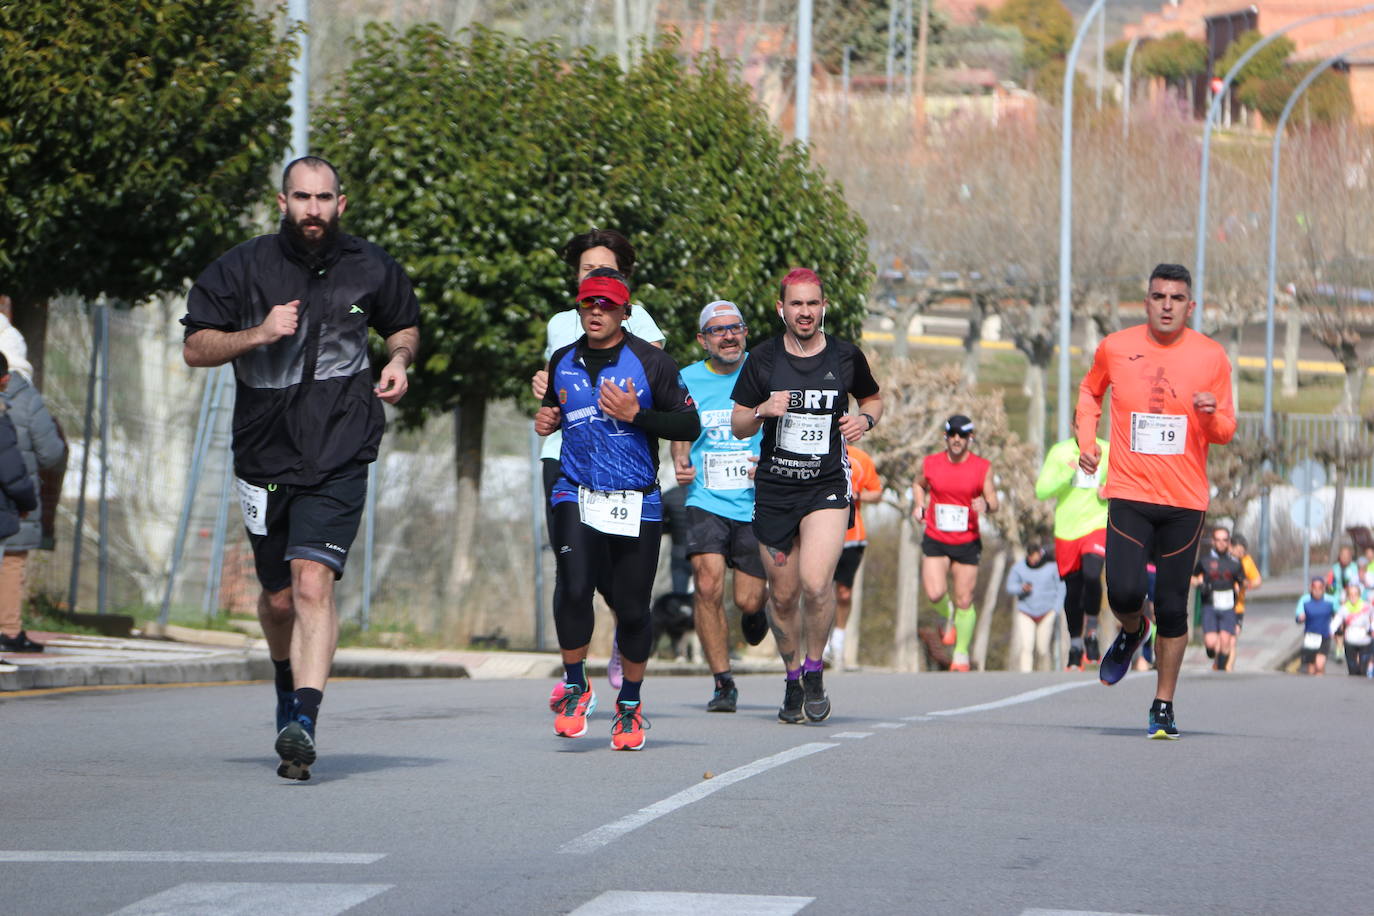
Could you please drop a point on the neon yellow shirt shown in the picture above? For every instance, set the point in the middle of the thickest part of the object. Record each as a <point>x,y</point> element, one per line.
<point>1077,510</point>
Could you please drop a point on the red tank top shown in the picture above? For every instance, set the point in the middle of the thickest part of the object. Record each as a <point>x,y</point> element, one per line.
<point>950,518</point>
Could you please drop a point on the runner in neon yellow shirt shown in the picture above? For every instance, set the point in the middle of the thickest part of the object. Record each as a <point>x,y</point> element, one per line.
<point>1080,540</point>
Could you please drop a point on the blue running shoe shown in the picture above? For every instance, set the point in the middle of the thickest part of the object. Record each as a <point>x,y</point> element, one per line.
<point>1117,661</point>
<point>296,746</point>
<point>1162,725</point>
<point>284,700</point>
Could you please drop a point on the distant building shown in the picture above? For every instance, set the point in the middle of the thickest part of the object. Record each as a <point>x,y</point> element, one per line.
<point>1219,22</point>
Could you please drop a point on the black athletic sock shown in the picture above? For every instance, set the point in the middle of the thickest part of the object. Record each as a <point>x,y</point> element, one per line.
<point>1222,659</point>
<point>725,680</point>
<point>286,681</point>
<point>309,700</point>
<point>629,691</point>
<point>575,673</point>
<point>1162,705</point>
<point>1211,653</point>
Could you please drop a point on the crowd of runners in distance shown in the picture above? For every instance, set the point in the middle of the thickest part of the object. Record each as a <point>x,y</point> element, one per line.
<point>1337,615</point>
<point>764,431</point>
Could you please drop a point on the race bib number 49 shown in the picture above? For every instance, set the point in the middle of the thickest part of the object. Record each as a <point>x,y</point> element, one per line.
<point>1158,433</point>
<point>613,512</point>
<point>253,502</point>
<point>804,433</point>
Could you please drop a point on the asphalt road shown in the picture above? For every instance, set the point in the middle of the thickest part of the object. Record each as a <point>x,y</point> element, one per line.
<point>455,797</point>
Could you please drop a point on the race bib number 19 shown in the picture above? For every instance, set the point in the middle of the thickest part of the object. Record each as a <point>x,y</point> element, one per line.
<point>1158,433</point>
<point>804,433</point>
<point>253,501</point>
<point>614,512</point>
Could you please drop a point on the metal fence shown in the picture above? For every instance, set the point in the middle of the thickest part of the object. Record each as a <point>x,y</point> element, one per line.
<point>1306,433</point>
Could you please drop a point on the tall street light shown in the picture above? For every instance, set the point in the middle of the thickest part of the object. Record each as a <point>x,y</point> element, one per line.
<point>1279,131</point>
<point>1200,261</point>
<point>1066,218</point>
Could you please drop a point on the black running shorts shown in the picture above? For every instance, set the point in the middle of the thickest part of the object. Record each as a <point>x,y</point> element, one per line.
<point>711,533</point>
<point>968,554</point>
<point>848,567</point>
<point>778,511</point>
<point>315,523</point>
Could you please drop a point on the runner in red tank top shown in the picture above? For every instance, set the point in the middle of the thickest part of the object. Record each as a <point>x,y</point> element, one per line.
<point>952,487</point>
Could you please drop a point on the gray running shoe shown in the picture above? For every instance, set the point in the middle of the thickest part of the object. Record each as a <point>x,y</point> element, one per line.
<point>791,709</point>
<point>817,704</point>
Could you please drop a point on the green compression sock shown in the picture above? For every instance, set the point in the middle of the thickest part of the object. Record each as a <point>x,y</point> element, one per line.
<point>964,619</point>
<point>942,607</point>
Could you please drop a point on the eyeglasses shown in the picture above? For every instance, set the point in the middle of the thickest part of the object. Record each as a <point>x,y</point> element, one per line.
<point>738,327</point>
<point>599,302</point>
<point>958,435</point>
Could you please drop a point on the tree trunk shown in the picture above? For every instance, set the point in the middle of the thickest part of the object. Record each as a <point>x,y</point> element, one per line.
<point>906,653</point>
<point>1345,433</point>
<point>978,652</point>
<point>1292,336</point>
<point>1036,409</point>
<point>31,320</point>
<point>469,423</point>
<point>1233,353</point>
<point>1350,392</point>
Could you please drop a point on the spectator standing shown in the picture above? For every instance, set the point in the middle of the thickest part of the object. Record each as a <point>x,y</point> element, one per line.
<point>17,493</point>
<point>41,446</point>
<point>1039,591</point>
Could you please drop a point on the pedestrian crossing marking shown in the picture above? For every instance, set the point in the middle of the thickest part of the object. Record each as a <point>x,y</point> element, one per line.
<point>663,903</point>
<point>249,899</point>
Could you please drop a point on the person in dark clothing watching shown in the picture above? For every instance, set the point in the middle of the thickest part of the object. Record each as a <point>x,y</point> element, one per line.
<point>17,494</point>
<point>291,311</point>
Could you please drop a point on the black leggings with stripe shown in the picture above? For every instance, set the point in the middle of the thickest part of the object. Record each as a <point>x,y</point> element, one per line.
<point>627,566</point>
<point>1135,532</point>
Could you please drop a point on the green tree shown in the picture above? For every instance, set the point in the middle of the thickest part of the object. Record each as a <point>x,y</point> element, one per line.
<point>1046,24</point>
<point>473,160</point>
<point>1326,101</point>
<point>1173,58</point>
<point>132,141</point>
<point>1268,64</point>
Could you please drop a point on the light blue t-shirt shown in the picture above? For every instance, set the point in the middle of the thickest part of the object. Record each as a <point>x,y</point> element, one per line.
<point>722,485</point>
<point>565,328</point>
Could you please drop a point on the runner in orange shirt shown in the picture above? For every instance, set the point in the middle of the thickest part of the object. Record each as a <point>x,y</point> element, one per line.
<point>867,487</point>
<point>1171,400</point>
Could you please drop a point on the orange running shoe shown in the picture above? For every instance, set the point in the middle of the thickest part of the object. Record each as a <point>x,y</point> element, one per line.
<point>556,696</point>
<point>951,633</point>
<point>960,663</point>
<point>627,731</point>
<point>570,718</point>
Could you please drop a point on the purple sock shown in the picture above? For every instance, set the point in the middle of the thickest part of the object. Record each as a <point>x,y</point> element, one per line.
<point>794,674</point>
<point>811,666</point>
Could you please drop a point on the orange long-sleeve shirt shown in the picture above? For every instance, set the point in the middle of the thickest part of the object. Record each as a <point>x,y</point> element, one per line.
<point>1159,441</point>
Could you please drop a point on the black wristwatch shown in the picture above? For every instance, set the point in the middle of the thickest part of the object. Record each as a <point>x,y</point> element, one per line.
<point>869,417</point>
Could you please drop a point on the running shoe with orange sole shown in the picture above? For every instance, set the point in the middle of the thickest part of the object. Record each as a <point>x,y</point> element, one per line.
<point>960,663</point>
<point>950,635</point>
<point>627,730</point>
<point>570,716</point>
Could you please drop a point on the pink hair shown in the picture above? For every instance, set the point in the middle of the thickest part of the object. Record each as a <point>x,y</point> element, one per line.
<point>800,275</point>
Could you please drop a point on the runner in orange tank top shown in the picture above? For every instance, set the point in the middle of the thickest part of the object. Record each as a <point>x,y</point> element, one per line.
<point>1171,401</point>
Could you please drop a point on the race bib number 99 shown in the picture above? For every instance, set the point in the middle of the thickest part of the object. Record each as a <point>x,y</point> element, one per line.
<point>1158,433</point>
<point>804,433</point>
<point>253,502</point>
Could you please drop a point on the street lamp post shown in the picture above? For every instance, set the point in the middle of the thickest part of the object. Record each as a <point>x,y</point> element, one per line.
<point>804,71</point>
<point>1126,88</point>
<point>1066,218</point>
<point>1269,286</point>
<point>1200,261</point>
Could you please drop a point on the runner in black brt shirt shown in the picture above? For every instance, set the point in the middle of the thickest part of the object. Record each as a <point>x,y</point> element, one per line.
<point>797,386</point>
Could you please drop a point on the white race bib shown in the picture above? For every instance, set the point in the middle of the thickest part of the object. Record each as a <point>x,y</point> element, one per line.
<point>1158,433</point>
<point>253,502</point>
<point>1224,600</point>
<point>1312,641</point>
<point>613,512</point>
<point>1082,481</point>
<point>804,433</point>
<point>951,518</point>
<point>727,470</point>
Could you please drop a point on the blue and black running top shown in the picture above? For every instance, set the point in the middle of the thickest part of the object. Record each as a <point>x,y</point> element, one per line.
<point>605,454</point>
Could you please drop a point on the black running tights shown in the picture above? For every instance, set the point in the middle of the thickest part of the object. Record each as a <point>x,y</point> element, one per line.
<point>582,553</point>
<point>1135,531</point>
<point>1083,593</point>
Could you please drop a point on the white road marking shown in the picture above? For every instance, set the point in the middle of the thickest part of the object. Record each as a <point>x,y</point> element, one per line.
<point>889,725</point>
<point>246,899</point>
<point>595,839</point>
<point>1070,913</point>
<point>1016,699</point>
<point>915,718</point>
<point>232,858</point>
<point>658,903</point>
<point>852,735</point>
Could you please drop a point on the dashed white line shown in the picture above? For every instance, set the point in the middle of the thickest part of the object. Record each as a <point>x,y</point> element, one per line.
<point>233,858</point>
<point>889,725</point>
<point>661,903</point>
<point>245,899</point>
<point>852,735</point>
<point>1015,700</point>
<point>595,839</point>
